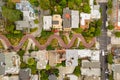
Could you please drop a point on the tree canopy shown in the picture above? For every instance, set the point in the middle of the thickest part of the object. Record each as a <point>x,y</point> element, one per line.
<point>11,14</point>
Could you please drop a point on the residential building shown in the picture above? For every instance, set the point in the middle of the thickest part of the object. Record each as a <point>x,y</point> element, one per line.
<point>52,77</point>
<point>116,51</point>
<point>1,4</point>
<point>13,77</point>
<point>72,77</point>
<point>91,78</point>
<point>41,58</point>
<point>24,74</point>
<point>2,64</point>
<point>10,63</point>
<point>66,19</point>
<point>117,24</point>
<point>55,57</point>
<point>93,55</point>
<point>22,25</point>
<point>25,7</point>
<point>90,68</point>
<point>85,19</point>
<point>47,23</point>
<point>71,58</point>
<point>95,12</point>
<point>116,71</point>
<point>74,19</point>
<point>57,22</point>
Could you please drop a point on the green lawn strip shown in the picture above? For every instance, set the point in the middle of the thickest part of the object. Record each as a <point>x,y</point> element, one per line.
<point>77,70</point>
<point>65,39</point>
<point>110,58</point>
<point>75,43</point>
<point>1,45</point>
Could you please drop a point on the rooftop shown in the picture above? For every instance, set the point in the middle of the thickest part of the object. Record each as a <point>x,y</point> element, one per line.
<point>12,61</point>
<point>47,22</point>
<point>42,58</point>
<point>57,21</point>
<point>52,77</point>
<point>66,18</point>
<point>56,57</point>
<point>72,77</point>
<point>71,57</point>
<point>74,18</point>
<point>116,71</point>
<point>24,74</point>
<point>92,67</point>
<point>2,61</point>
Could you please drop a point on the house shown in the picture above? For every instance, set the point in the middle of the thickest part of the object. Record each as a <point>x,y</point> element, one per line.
<point>24,74</point>
<point>74,19</point>
<point>93,55</point>
<point>90,68</point>
<point>117,23</point>
<point>57,22</point>
<point>66,19</point>
<point>92,78</point>
<point>52,77</point>
<point>41,58</point>
<point>95,13</point>
<point>21,25</point>
<point>85,19</point>
<point>71,58</point>
<point>47,23</point>
<point>9,63</point>
<point>55,57</point>
<point>13,77</point>
<point>2,64</point>
<point>72,77</point>
<point>25,7</point>
<point>116,71</point>
<point>1,4</point>
<point>116,51</point>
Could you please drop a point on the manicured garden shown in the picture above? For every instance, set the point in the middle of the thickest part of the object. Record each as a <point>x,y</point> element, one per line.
<point>56,6</point>
<point>77,70</point>
<point>110,58</point>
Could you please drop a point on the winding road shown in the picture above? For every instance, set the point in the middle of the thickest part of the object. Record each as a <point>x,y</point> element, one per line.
<point>60,41</point>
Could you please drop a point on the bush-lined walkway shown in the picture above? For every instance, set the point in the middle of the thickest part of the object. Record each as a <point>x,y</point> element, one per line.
<point>60,41</point>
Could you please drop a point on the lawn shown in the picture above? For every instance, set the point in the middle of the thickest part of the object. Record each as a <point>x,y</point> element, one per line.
<point>75,43</point>
<point>110,58</point>
<point>1,45</point>
<point>42,40</point>
<point>65,39</point>
<point>77,70</point>
<point>25,45</point>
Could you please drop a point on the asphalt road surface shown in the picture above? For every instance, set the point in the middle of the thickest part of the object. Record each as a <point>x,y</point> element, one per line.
<point>103,40</point>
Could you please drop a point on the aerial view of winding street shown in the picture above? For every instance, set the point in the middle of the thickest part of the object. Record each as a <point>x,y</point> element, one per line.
<point>59,39</point>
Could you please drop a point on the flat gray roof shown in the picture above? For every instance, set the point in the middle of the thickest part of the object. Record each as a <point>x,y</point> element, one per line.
<point>66,18</point>
<point>71,57</point>
<point>24,74</point>
<point>2,60</point>
<point>117,68</point>
<point>89,64</point>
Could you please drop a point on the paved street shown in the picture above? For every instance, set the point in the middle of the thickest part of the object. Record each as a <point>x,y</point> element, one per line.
<point>103,40</point>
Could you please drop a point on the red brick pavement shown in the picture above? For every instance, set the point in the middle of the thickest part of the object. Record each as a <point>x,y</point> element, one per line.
<point>60,41</point>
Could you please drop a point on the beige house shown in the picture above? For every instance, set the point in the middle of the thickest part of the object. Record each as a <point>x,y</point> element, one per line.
<point>57,22</point>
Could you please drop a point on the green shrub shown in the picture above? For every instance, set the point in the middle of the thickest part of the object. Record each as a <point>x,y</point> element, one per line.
<point>110,27</point>
<point>31,61</point>
<point>117,34</point>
